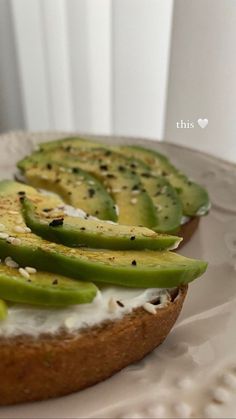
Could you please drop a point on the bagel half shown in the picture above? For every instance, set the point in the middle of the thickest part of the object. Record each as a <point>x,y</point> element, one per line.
<point>56,365</point>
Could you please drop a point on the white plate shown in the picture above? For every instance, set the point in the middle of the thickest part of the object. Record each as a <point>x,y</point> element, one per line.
<point>193,374</point>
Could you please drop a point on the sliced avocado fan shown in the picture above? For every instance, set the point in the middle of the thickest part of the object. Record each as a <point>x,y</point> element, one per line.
<point>47,216</point>
<point>132,209</point>
<point>141,269</point>
<point>56,226</point>
<point>194,197</point>
<point>75,186</point>
<point>141,197</point>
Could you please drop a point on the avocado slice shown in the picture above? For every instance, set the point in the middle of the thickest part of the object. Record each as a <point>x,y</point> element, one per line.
<point>42,288</point>
<point>194,197</point>
<point>68,143</point>
<point>141,269</point>
<point>109,168</point>
<point>83,231</point>
<point>3,310</point>
<point>75,186</point>
<point>164,197</point>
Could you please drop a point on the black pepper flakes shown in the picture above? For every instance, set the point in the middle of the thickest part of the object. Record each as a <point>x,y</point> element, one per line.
<point>103,167</point>
<point>49,166</point>
<point>132,238</point>
<point>119,303</point>
<point>121,168</point>
<point>57,222</point>
<point>47,209</point>
<point>82,228</point>
<point>134,263</point>
<point>21,193</point>
<point>107,153</point>
<point>75,170</point>
<point>91,192</point>
<point>55,282</point>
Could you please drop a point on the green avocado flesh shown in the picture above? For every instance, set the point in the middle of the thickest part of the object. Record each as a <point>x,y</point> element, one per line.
<point>3,310</point>
<point>43,288</point>
<point>129,268</point>
<point>121,182</point>
<point>75,186</point>
<point>55,225</point>
<point>194,198</point>
<point>142,198</point>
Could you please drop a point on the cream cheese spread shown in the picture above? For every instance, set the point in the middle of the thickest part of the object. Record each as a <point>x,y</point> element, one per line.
<point>111,303</point>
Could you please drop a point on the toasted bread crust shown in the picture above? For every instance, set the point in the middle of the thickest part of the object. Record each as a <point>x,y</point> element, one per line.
<point>188,229</point>
<point>53,366</point>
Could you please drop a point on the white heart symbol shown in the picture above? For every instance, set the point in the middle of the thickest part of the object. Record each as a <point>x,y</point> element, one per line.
<point>202,122</point>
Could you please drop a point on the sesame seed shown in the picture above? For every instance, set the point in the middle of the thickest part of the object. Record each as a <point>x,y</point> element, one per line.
<point>13,240</point>
<point>27,230</point>
<point>11,212</point>
<point>20,229</point>
<point>149,308</point>
<point>70,322</point>
<point>24,273</point>
<point>30,270</point>
<point>91,182</point>
<point>112,305</point>
<point>2,227</point>
<point>133,201</point>
<point>10,262</point>
<point>16,241</point>
<point>78,183</point>
<point>135,192</point>
<point>4,235</point>
<point>116,190</point>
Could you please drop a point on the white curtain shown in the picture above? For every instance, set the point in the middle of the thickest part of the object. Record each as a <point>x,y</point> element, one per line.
<point>124,67</point>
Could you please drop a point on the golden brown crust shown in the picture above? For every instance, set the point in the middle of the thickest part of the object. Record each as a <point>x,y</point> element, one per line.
<point>53,366</point>
<point>188,229</point>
